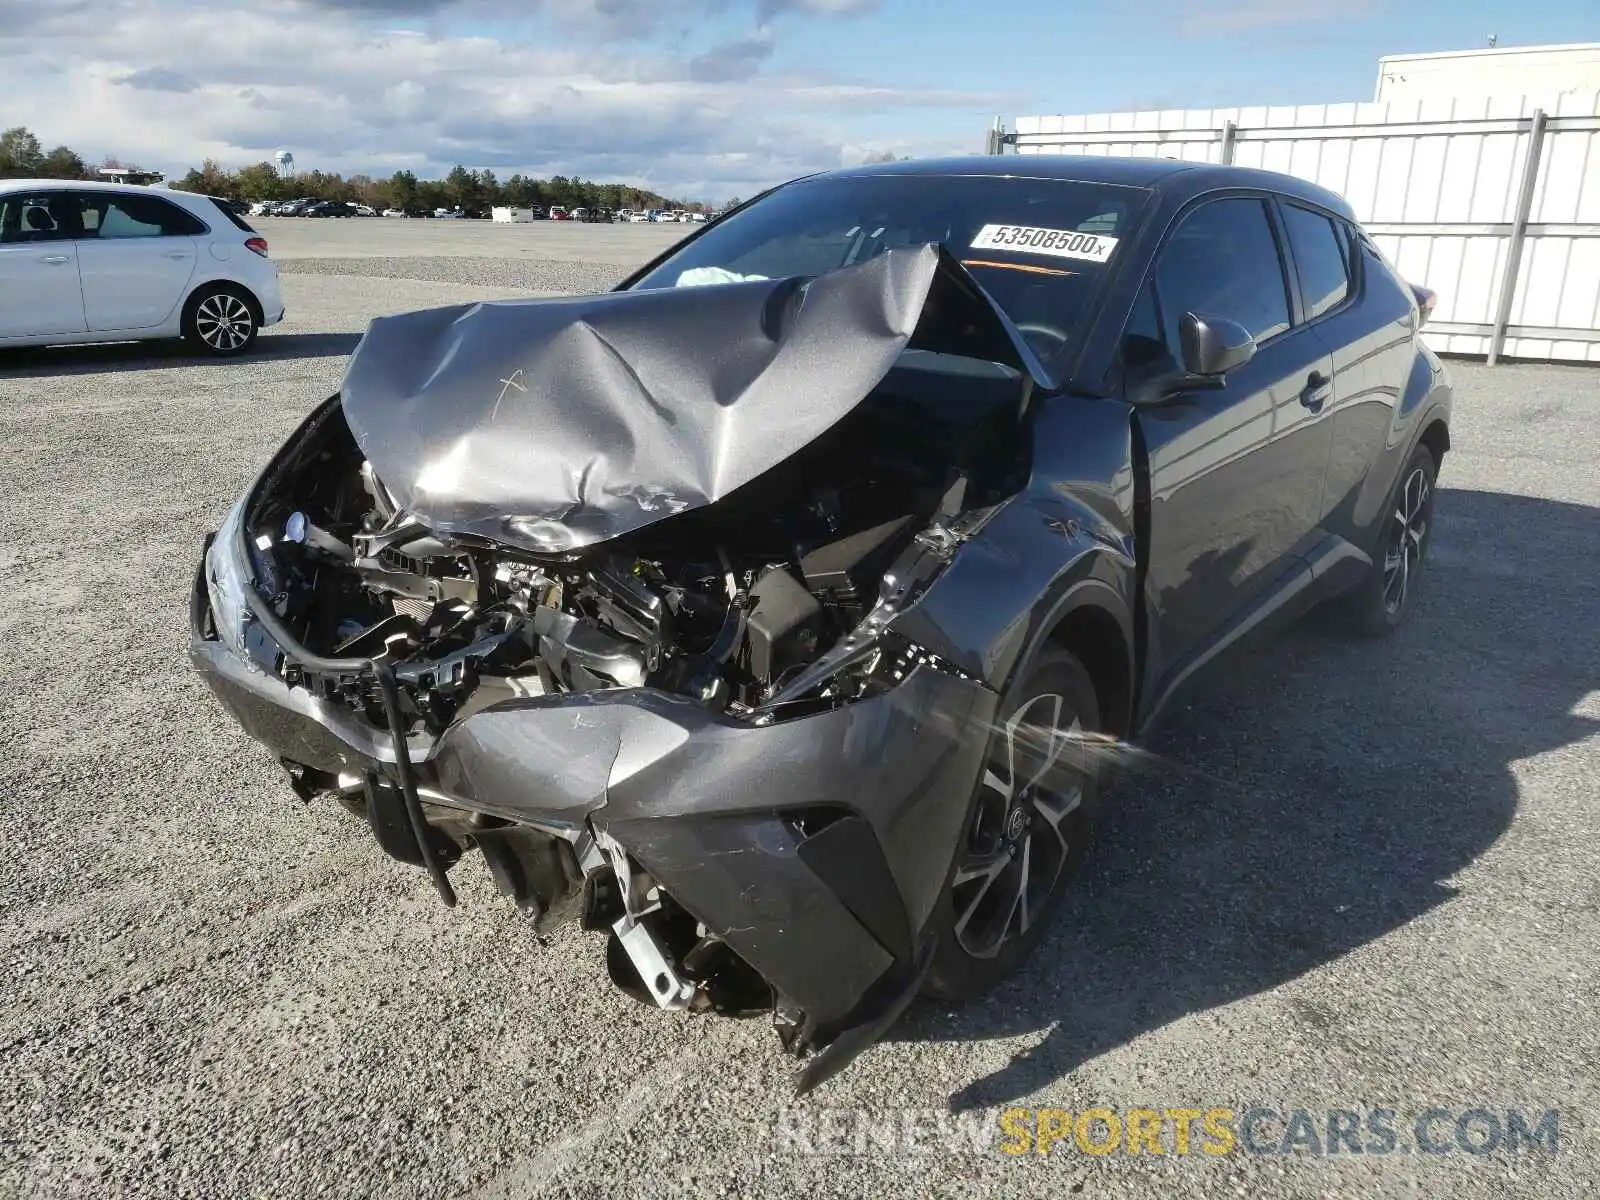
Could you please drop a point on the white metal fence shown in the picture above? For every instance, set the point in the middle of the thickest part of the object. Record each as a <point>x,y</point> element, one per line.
<point>1492,203</point>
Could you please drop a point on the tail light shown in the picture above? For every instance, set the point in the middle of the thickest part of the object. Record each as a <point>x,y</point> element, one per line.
<point>257,244</point>
<point>1426,299</point>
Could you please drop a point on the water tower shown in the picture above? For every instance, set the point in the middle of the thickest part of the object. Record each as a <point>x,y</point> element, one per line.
<point>285,161</point>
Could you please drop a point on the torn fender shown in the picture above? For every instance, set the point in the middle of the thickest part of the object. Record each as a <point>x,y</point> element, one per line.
<point>556,424</point>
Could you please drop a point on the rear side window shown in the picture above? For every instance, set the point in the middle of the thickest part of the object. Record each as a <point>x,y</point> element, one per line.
<point>1321,256</point>
<point>233,218</point>
<point>35,217</point>
<point>1222,261</point>
<point>124,215</point>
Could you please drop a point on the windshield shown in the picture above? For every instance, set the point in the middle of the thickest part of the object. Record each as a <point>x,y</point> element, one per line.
<point>1039,247</point>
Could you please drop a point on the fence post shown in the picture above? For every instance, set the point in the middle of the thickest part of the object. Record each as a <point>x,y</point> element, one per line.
<point>1519,235</point>
<point>1230,133</point>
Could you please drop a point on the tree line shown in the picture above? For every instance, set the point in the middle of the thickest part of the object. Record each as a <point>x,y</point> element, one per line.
<point>22,156</point>
<point>461,188</point>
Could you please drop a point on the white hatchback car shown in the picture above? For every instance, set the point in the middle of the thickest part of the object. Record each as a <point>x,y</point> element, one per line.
<point>98,262</point>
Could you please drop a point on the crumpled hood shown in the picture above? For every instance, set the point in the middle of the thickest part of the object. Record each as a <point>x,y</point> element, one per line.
<point>556,424</point>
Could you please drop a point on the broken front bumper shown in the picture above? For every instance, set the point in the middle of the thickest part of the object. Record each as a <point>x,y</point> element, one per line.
<point>814,847</point>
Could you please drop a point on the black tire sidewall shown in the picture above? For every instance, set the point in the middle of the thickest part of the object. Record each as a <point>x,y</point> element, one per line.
<point>1368,609</point>
<point>956,974</point>
<point>191,332</point>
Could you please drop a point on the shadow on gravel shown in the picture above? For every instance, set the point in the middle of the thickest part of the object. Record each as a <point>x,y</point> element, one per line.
<point>43,362</point>
<point>1314,799</point>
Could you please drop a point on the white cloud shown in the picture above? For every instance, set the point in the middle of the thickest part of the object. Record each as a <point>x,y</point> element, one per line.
<point>169,82</point>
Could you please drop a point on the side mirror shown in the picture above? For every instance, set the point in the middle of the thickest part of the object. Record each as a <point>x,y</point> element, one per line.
<point>1213,346</point>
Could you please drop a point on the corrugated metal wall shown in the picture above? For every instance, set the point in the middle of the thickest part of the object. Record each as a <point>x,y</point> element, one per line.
<point>1444,185</point>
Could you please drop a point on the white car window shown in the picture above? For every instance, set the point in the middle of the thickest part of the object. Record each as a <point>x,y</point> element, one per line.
<point>34,217</point>
<point>114,215</point>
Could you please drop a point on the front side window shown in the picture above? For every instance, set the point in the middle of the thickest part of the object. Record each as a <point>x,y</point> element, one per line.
<point>1039,247</point>
<point>124,215</point>
<point>1143,343</point>
<point>1222,261</point>
<point>1320,257</point>
<point>30,217</point>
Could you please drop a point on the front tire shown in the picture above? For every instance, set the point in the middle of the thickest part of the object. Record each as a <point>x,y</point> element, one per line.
<point>221,320</point>
<point>1382,602</point>
<point>1026,832</point>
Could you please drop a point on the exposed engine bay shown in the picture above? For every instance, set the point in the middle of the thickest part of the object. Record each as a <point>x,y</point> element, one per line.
<point>724,604</point>
<point>606,588</point>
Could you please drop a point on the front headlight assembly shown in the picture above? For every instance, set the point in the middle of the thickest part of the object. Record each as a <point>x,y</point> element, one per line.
<point>228,580</point>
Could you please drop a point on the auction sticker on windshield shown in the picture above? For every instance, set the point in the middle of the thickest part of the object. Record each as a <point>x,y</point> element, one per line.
<point>1059,243</point>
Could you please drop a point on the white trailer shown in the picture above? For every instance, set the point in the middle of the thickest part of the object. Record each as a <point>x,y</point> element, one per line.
<point>512,216</point>
<point>1493,201</point>
<point>1542,73</point>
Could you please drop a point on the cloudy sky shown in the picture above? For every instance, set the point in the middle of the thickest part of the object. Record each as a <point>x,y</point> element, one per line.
<point>703,99</point>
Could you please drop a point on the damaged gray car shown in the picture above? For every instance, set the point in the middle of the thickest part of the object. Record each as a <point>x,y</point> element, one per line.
<point>767,614</point>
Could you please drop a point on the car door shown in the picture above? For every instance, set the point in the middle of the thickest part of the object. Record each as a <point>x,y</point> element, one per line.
<point>1236,470</point>
<point>39,291</point>
<point>1364,317</point>
<point>136,255</point>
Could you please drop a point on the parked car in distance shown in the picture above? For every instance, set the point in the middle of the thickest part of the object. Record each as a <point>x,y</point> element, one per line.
<point>365,210</point>
<point>559,213</point>
<point>638,218</point>
<point>1085,428</point>
<point>101,262</point>
<point>394,212</point>
<point>327,208</point>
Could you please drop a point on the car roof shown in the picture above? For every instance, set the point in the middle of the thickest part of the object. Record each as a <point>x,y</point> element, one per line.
<point>1132,172</point>
<point>88,185</point>
<point>1173,177</point>
<point>181,197</point>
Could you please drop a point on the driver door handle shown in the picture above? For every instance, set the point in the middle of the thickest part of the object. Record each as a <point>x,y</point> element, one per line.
<point>55,260</point>
<point>1316,393</point>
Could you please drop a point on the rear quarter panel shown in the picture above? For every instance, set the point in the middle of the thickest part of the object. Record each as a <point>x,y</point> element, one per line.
<point>1388,388</point>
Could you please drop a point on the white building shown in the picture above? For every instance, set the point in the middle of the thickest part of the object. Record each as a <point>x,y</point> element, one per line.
<point>1477,172</point>
<point>1542,72</point>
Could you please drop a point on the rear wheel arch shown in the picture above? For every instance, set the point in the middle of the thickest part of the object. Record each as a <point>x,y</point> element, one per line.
<point>205,286</point>
<point>1436,437</point>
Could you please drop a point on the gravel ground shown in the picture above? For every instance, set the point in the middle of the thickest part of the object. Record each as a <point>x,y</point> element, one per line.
<point>1352,875</point>
<point>536,274</point>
